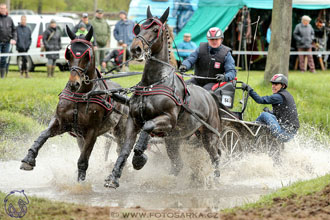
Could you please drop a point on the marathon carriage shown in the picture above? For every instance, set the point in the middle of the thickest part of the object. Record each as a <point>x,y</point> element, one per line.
<point>239,136</point>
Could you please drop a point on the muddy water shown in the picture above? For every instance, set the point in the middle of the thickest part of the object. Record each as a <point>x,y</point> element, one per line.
<point>242,181</point>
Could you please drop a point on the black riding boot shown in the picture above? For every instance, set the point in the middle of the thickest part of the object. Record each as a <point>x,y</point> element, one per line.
<point>139,158</point>
<point>2,72</point>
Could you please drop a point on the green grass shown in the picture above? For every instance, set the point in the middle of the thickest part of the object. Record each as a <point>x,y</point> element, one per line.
<point>37,97</point>
<point>299,188</point>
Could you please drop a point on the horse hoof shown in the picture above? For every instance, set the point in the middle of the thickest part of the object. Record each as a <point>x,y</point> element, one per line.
<point>139,161</point>
<point>26,166</point>
<point>111,182</point>
<point>81,176</point>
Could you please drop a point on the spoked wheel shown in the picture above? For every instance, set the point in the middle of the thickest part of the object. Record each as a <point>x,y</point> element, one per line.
<point>265,143</point>
<point>231,145</point>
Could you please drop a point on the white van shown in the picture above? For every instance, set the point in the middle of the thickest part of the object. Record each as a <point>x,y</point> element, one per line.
<point>38,24</point>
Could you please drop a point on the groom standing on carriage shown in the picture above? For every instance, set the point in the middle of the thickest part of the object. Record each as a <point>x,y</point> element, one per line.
<point>213,60</point>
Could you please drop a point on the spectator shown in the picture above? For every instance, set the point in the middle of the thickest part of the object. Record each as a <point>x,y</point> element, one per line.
<point>84,19</point>
<point>124,29</point>
<point>269,33</point>
<point>52,41</point>
<point>212,59</point>
<point>304,36</point>
<point>101,34</point>
<point>83,31</point>
<point>7,36</point>
<point>187,44</point>
<point>116,57</point>
<point>23,44</point>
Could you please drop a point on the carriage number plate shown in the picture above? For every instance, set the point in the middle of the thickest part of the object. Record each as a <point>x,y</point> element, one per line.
<point>226,100</point>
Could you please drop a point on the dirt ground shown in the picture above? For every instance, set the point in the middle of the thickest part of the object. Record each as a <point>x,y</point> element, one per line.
<point>313,206</point>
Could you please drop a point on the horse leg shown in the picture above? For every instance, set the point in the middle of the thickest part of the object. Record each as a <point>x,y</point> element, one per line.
<point>172,148</point>
<point>158,124</point>
<point>112,181</point>
<point>29,160</point>
<point>85,153</point>
<point>81,143</point>
<point>210,141</point>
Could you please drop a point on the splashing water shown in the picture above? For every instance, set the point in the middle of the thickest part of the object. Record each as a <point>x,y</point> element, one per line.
<point>242,181</point>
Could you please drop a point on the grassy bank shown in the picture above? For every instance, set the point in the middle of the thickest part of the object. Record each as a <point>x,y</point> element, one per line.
<point>45,209</point>
<point>37,97</point>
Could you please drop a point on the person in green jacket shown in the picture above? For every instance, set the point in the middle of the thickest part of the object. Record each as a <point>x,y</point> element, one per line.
<point>101,34</point>
<point>82,30</point>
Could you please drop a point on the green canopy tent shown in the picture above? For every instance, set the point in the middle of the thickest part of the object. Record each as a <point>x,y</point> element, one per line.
<point>220,13</point>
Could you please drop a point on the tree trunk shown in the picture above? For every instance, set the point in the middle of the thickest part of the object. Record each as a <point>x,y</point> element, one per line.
<point>279,48</point>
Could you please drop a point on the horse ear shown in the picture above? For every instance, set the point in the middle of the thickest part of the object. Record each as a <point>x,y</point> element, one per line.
<point>70,33</point>
<point>149,15</point>
<point>165,15</point>
<point>89,34</point>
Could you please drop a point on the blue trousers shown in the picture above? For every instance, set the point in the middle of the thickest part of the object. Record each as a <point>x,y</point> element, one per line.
<point>4,48</point>
<point>276,130</point>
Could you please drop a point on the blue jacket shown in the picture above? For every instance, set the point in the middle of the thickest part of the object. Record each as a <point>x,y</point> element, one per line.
<point>186,46</point>
<point>23,38</point>
<point>273,99</point>
<point>124,31</point>
<point>230,71</point>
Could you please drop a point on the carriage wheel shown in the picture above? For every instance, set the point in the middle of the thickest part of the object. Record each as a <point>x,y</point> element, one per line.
<point>231,145</point>
<point>266,143</point>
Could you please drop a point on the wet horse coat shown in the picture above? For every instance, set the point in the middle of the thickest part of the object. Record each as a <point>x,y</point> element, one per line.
<point>156,106</point>
<point>85,118</point>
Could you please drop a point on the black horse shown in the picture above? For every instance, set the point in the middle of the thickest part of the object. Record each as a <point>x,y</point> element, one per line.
<point>163,105</point>
<point>86,118</point>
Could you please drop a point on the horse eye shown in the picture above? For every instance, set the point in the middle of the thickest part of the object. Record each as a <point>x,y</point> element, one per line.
<point>155,30</point>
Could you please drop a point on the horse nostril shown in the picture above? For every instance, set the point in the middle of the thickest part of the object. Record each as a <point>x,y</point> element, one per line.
<point>138,50</point>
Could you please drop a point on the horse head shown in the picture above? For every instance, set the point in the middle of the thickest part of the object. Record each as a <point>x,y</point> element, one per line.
<point>150,36</point>
<point>80,56</point>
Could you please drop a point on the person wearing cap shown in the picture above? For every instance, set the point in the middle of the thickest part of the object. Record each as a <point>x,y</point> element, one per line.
<point>283,120</point>
<point>187,44</point>
<point>101,35</point>
<point>84,19</point>
<point>124,29</point>
<point>115,58</point>
<point>304,36</point>
<point>212,60</point>
<point>51,39</point>
<point>23,44</point>
<point>8,36</point>
<point>83,31</point>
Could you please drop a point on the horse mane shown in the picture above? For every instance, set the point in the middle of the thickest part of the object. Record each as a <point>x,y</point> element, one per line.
<point>170,38</point>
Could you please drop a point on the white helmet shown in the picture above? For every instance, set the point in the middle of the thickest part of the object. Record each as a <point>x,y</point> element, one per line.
<point>214,33</point>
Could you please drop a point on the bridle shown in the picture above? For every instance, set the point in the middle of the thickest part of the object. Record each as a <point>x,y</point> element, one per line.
<point>81,72</point>
<point>137,30</point>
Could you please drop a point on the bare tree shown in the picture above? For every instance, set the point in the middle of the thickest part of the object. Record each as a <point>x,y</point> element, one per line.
<point>279,48</point>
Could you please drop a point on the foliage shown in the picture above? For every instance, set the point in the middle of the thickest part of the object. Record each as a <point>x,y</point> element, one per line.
<point>69,5</point>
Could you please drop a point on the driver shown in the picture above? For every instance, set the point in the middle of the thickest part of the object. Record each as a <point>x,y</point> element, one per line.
<point>283,120</point>
<point>211,59</point>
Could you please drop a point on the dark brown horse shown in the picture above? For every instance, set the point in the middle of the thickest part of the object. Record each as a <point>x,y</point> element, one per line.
<point>86,119</point>
<point>163,105</point>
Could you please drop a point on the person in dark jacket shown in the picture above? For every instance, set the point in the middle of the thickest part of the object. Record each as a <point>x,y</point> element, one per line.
<point>304,36</point>
<point>124,29</point>
<point>101,36</point>
<point>23,44</point>
<point>115,58</point>
<point>52,41</point>
<point>211,59</point>
<point>283,121</point>
<point>7,36</point>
